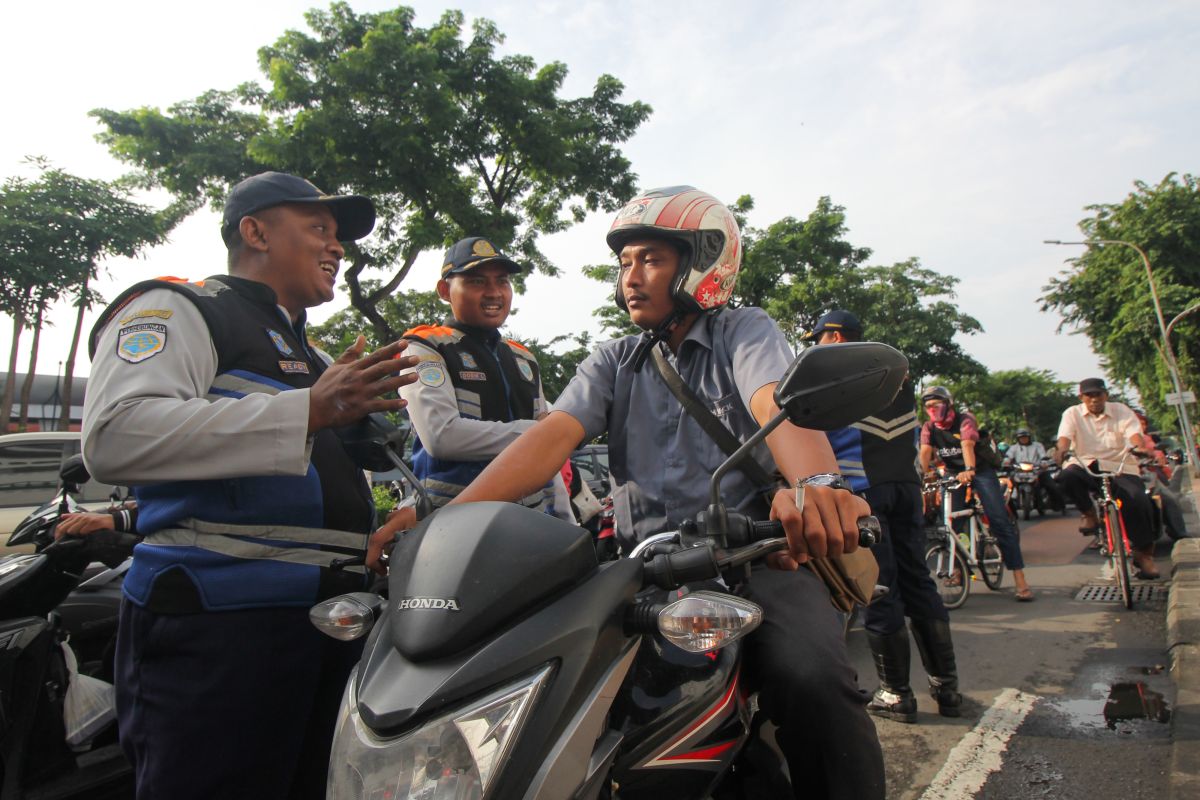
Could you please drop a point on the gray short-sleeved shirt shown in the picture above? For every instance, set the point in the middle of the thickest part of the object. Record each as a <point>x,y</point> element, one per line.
<point>661,459</point>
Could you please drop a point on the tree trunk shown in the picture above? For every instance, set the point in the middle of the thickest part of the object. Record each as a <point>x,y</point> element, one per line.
<point>64,419</point>
<point>27,386</point>
<point>9,387</point>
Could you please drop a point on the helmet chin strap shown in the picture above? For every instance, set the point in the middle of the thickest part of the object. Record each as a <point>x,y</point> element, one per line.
<point>659,333</point>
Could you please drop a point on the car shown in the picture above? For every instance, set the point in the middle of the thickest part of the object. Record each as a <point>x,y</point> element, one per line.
<point>29,467</point>
<point>592,462</point>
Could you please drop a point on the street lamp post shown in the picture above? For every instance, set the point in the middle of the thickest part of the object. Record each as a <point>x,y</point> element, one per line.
<point>1168,351</point>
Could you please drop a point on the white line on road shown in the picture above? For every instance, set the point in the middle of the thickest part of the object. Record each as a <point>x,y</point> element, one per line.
<point>979,753</point>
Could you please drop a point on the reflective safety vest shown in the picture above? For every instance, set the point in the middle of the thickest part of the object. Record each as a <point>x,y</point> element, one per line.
<point>257,541</point>
<point>494,380</point>
<point>881,448</point>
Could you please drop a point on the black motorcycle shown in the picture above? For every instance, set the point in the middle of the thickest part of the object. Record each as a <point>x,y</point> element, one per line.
<point>507,662</point>
<point>67,591</point>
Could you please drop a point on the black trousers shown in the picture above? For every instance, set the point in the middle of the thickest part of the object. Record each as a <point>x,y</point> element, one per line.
<point>797,662</point>
<point>233,704</point>
<point>1078,485</point>
<point>901,557</point>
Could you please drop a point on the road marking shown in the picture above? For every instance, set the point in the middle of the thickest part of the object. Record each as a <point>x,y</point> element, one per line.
<point>979,753</point>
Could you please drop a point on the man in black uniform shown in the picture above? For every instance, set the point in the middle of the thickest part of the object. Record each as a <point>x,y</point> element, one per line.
<point>878,456</point>
<point>209,400</point>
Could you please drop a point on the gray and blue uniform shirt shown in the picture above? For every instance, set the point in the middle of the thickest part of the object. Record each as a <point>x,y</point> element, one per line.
<point>660,458</point>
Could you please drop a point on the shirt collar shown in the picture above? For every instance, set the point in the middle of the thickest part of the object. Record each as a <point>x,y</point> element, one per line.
<point>489,336</point>
<point>1083,407</point>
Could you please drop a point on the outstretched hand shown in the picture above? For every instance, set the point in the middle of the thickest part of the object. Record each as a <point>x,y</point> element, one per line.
<point>354,385</point>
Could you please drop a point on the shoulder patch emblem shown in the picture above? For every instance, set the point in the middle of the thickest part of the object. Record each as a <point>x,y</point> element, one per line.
<point>430,374</point>
<point>280,343</point>
<point>469,361</point>
<point>294,367</point>
<point>525,370</point>
<point>160,313</point>
<point>140,342</point>
<point>472,375</point>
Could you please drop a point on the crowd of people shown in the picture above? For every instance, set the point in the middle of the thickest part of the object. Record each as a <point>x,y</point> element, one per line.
<point>210,400</point>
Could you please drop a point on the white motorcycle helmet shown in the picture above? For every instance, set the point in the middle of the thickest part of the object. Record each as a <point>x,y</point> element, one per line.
<point>705,230</point>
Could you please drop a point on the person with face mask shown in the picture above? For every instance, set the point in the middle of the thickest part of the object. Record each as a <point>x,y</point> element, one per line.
<point>953,436</point>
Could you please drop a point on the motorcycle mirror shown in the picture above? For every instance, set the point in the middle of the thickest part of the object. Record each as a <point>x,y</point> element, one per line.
<point>375,444</point>
<point>833,385</point>
<point>74,471</point>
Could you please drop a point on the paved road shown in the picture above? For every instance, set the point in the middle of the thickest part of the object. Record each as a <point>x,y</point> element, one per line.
<point>1037,677</point>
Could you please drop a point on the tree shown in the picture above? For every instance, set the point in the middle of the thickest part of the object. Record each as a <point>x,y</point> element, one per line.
<point>400,311</point>
<point>557,369</point>
<point>1105,292</point>
<point>1018,398</point>
<point>448,138</point>
<point>57,230</point>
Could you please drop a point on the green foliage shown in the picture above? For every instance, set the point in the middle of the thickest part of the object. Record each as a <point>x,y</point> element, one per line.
<point>557,369</point>
<point>384,502</point>
<point>446,136</point>
<point>401,311</point>
<point>1106,294</point>
<point>799,269</point>
<point>55,230</point>
<point>1016,398</point>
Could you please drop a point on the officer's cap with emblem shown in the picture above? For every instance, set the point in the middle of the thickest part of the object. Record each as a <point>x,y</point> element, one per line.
<point>472,252</point>
<point>355,214</point>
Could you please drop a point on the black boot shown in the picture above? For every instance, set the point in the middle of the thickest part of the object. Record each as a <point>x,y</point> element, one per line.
<point>937,654</point>
<point>894,698</point>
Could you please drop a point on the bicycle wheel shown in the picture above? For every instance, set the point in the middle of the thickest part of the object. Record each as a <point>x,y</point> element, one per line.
<point>991,565</point>
<point>950,574</point>
<point>1120,559</point>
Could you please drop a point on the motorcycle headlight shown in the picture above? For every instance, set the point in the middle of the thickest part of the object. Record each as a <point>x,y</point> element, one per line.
<point>457,756</point>
<point>704,621</point>
<point>1025,467</point>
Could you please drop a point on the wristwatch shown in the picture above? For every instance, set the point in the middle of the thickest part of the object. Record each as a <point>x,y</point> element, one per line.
<point>831,479</point>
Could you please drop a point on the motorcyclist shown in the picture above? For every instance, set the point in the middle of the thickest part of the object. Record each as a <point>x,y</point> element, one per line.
<point>953,435</point>
<point>1027,450</point>
<point>679,252</point>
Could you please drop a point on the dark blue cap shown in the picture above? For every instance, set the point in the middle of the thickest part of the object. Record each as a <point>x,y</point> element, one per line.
<point>355,214</point>
<point>1092,385</point>
<point>472,252</point>
<point>838,320</point>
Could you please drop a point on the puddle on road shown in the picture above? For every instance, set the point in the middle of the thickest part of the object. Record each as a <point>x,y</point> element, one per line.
<point>1127,702</point>
<point>1134,701</point>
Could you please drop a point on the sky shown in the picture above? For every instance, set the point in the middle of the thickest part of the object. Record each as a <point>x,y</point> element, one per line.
<point>962,134</point>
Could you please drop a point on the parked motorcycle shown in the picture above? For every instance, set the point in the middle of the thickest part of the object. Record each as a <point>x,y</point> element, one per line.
<point>48,599</point>
<point>506,662</point>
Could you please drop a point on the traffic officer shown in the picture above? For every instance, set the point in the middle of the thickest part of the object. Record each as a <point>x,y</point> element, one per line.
<point>209,400</point>
<point>476,391</point>
<point>878,456</point>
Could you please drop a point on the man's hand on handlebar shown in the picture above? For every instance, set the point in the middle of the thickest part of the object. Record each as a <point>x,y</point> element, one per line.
<point>379,546</point>
<point>82,523</point>
<point>826,526</point>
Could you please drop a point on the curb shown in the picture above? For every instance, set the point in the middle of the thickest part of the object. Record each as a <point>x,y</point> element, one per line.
<point>1183,646</point>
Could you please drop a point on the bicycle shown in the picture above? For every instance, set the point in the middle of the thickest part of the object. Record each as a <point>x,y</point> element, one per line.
<point>952,559</point>
<point>1115,547</point>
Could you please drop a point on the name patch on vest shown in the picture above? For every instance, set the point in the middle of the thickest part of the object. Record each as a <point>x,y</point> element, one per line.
<point>140,342</point>
<point>471,375</point>
<point>294,367</point>
<point>280,344</point>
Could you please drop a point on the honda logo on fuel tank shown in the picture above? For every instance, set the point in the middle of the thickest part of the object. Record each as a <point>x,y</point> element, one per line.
<point>435,603</point>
